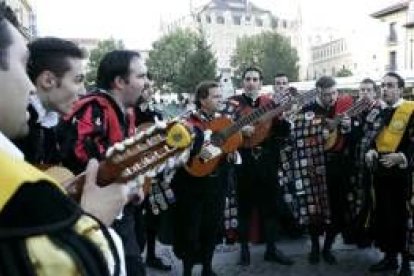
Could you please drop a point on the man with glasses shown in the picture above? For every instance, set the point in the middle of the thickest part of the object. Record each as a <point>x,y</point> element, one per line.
<point>257,175</point>
<point>328,219</point>
<point>391,158</point>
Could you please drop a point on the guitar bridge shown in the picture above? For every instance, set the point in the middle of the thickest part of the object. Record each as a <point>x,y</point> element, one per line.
<point>209,152</point>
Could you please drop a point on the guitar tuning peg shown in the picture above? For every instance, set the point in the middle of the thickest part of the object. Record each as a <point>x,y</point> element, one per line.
<point>160,124</point>
<point>129,141</point>
<point>161,168</point>
<point>140,180</point>
<point>109,152</point>
<point>119,147</point>
<point>184,156</point>
<point>150,130</point>
<point>171,162</point>
<point>151,173</point>
<point>138,136</point>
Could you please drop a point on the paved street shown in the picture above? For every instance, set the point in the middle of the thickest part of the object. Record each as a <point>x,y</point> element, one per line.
<point>350,261</point>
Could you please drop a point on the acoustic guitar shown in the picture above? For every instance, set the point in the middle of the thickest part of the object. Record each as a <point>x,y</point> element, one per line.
<point>162,145</point>
<point>335,139</point>
<point>226,135</point>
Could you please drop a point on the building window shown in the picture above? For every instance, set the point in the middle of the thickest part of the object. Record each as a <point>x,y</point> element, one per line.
<point>248,17</point>
<point>220,19</point>
<point>393,61</point>
<point>392,37</point>
<point>208,18</point>
<point>274,23</point>
<point>284,24</point>
<point>237,20</point>
<point>259,22</point>
<point>198,19</point>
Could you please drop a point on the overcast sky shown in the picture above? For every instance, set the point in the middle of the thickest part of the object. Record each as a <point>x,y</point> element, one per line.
<point>137,22</point>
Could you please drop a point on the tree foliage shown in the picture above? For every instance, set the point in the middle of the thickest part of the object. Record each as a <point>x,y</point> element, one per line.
<point>344,72</point>
<point>269,51</point>
<point>180,60</point>
<point>96,54</point>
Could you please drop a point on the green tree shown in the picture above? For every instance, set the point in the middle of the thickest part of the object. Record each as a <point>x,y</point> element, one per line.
<point>96,54</point>
<point>270,51</point>
<point>344,72</point>
<point>180,60</point>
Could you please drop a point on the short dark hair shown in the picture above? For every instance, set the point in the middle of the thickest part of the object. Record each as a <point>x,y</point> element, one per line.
<point>51,54</point>
<point>279,75</point>
<point>252,68</point>
<point>325,82</point>
<point>114,64</point>
<point>401,82</point>
<point>203,90</point>
<point>370,81</point>
<point>6,15</point>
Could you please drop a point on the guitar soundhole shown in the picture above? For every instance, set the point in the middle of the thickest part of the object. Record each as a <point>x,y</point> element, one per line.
<point>217,139</point>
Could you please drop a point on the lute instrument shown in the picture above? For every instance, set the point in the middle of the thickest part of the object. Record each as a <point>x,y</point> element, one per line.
<point>162,145</point>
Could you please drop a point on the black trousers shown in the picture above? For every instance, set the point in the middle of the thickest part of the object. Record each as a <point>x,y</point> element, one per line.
<point>257,187</point>
<point>392,188</point>
<point>197,215</point>
<point>125,228</point>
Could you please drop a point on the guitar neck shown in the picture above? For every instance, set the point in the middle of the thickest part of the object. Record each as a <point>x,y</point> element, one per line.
<point>270,109</point>
<point>251,118</point>
<point>352,111</point>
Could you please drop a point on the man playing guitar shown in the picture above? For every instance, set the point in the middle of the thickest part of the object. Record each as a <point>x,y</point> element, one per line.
<point>257,175</point>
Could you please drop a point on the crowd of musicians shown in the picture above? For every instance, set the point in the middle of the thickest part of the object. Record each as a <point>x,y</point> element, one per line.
<point>316,163</point>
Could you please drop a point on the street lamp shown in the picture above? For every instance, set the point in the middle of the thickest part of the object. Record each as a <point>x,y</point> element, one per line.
<point>411,56</point>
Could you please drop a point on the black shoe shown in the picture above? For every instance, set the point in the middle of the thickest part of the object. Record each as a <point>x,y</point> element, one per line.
<point>208,272</point>
<point>277,256</point>
<point>405,269</point>
<point>157,263</point>
<point>386,264</point>
<point>314,257</point>
<point>328,257</point>
<point>244,256</point>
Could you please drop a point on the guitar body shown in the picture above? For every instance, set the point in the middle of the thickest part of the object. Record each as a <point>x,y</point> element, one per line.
<point>261,130</point>
<point>335,140</point>
<point>198,167</point>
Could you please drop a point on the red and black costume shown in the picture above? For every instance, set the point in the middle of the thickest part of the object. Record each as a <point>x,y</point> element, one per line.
<point>257,185</point>
<point>199,208</point>
<point>96,123</point>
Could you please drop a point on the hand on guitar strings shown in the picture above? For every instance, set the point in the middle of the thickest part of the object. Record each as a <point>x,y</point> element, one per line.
<point>105,203</point>
<point>247,131</point>
<point>209,151</point>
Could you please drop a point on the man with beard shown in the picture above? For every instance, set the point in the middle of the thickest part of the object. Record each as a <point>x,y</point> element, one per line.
<point>327,106</point>
<point>98,121</point>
